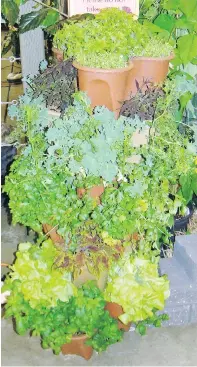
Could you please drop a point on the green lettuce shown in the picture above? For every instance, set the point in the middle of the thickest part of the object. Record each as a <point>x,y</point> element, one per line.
<point>37,279</point>
<point>134,283</point>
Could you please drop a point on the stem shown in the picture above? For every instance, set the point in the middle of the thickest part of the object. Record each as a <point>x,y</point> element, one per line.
<point>50,7</point>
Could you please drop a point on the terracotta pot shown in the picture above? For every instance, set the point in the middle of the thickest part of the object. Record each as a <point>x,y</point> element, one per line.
<point>58,54</point>
<point>152,69</point>
<point>105,87</point>
<point>78,346</point>
<point>94,192</point>
<point>52,233</point>
<point>115,311</point>
<point>85,275</point>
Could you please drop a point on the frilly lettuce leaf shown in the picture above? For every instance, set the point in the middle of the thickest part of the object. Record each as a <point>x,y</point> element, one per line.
<point>38,280</point>
<point>134,283</point>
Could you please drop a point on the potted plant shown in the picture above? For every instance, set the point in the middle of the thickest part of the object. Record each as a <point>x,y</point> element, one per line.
<point>44,302</point>
<point>100,49</point>
<point>150,62</point>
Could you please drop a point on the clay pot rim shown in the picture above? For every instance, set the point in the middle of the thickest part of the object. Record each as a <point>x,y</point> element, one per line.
<point>80,337</point>
<point>144,58</point>
<point>99,70</point>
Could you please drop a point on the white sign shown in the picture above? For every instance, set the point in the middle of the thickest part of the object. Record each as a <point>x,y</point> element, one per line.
<point>94,6</point>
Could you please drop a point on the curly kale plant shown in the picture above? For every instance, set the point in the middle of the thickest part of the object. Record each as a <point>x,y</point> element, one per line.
<point>83,314</point>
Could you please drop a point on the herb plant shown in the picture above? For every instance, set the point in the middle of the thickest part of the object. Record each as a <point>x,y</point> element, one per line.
<point>102,42</point>
<point>56,85</point>
<point>83,314</point>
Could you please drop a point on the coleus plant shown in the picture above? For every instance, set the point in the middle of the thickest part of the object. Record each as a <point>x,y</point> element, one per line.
<point>83,313</point>
<point>134,283</point>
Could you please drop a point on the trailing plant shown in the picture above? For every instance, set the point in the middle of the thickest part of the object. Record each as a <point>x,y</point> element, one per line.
<point>155,320</point>
<point>34,276</point>
<point>83,314</point>
<point>137,277</point>
<point>56,85</point>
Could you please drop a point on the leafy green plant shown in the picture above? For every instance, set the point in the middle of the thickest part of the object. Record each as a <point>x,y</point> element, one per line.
<point>105,41</point>
<point>83,314</point>
<point>34,275</point>
<point>137,278</point>
<point>188,184</point>
<point>176,21</point>
<point>155,320</point>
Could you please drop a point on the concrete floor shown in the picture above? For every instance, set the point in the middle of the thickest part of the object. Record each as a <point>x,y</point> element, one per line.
<point>173,346</point>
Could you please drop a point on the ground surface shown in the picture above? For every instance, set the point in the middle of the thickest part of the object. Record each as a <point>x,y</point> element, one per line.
<point>172,346</point>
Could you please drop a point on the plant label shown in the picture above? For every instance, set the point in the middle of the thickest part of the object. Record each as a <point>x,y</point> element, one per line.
<point>94,6</point>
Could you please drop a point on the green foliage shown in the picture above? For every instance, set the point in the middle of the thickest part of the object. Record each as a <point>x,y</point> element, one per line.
<point>176,21</point>
<point>155,47</point>
<point>104,41</point>
<point>137,278</point>
<point>34,275</point>
<point>155,320</point>
<point>82,314</point>
<point>10,10</point>
<point>83,148</point>
<point>188,184</point>
<point>108,40</point>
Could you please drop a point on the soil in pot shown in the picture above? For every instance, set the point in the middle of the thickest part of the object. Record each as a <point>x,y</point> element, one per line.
<point>115,311</point>
<point>105,87</point>
<point>149,69</point>
<point>77,346</point>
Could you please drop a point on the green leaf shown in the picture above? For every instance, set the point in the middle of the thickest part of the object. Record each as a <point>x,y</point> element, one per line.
<point>189,8</point>
<point>10,10</point>
<point>165,21</point>
<point>171,4</point>
<point>32,20</point>
<point>51,18</point>
<point>187,48</point>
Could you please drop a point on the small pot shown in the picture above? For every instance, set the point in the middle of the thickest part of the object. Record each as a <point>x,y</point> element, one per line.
<point>77,346</point>
<point>153,69</point>
<point>52,233</point>
<point>115,311</point>
<point>105,87</point>
<point>180,224</point>
<point>58,54</point>
<point>94,192</point>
